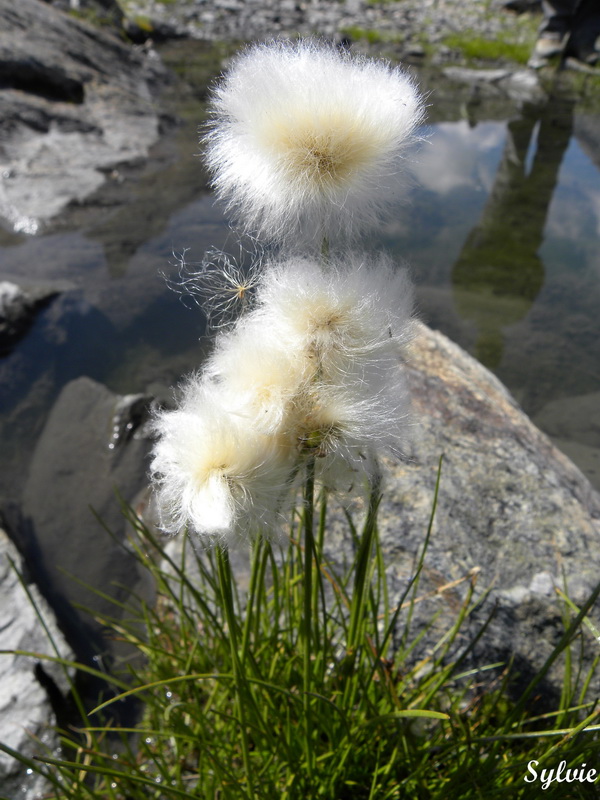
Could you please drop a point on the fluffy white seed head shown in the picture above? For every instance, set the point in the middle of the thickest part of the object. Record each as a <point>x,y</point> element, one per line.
<point>308,141</point>
<point>213,473</point>
<point>345,426</point>
<point>314,369</point>
<point>257,375</point>
<point>349,316</point>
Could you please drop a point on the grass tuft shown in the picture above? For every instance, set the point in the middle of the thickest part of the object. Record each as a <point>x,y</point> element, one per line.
<point>292,689</point>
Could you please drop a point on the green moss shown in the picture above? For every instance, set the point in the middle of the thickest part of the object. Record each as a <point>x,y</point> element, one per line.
<point>370,35</point>
<point>503,48</point>
<point>362,34</point>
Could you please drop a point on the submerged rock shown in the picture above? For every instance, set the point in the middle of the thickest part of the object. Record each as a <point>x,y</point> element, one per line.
<point>76,101</point>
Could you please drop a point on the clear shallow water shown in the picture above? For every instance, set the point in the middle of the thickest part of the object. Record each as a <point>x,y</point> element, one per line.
<point>508,263</point>
<point>500,230</point>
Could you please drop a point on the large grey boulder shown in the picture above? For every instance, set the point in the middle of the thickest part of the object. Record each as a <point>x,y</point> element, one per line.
<point>513,513</point>
<point>76,101</point>
<point>25,710</point>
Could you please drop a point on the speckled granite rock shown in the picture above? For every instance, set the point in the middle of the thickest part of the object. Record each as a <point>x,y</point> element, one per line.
<point>512,510</point>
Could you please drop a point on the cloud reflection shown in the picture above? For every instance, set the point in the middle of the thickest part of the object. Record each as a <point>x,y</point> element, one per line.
<point>461,156</point>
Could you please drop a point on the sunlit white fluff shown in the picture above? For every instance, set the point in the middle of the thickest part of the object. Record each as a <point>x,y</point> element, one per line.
<point>315,369</point>
<point>257,375</point>
<point>349,315</point>
<point>309,141</point>
<point>347,426</point>
<point>213,473</point>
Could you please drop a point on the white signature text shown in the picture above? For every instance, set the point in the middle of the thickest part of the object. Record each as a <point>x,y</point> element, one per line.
<point>562,774</point>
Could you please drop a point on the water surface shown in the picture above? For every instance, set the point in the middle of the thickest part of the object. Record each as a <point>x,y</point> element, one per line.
<point>500,230</point>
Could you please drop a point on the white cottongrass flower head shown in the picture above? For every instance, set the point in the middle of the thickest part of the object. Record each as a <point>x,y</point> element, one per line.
<point>308,141</point>
<point>349,315</point>
<point>348,323</point>
<point>346,427</point>
<point>212,473</point>
<point>256,375</point>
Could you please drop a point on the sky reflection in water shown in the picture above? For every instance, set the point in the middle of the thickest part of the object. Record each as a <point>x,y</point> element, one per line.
<point>502,236</point>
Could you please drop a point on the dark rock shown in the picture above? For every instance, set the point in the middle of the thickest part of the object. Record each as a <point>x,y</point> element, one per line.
<point>92,452</point>
<point>76,102</point>
<point>71,502</point>
<point>157,31</point>
<point>518,6</point>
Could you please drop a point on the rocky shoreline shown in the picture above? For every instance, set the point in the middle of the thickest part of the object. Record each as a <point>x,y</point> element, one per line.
<point>412,28</point>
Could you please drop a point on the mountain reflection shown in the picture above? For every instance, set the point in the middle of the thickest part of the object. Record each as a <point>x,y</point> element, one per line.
<point>499,273</point>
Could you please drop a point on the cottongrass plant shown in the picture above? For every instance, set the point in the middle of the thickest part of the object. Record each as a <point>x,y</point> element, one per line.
<point>306,389</point>
<point>313,373</point>
<point>293,690</point>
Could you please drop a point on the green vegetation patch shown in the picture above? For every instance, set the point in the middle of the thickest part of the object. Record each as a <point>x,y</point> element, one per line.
<point>478,48</point>
<point>308,684</point>
<point>370,35</point>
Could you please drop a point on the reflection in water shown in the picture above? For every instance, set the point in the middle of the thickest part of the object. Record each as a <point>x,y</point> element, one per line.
<point>499,273</point>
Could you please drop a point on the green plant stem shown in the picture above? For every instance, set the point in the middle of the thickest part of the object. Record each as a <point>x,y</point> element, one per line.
<point>362,564</point>
<point>226,586</point>
<point>358,601</point>
<point>309,548</point>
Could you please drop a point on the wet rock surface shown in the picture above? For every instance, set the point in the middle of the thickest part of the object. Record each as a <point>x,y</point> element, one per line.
<point>70,528</point>
<point>76,101</point>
